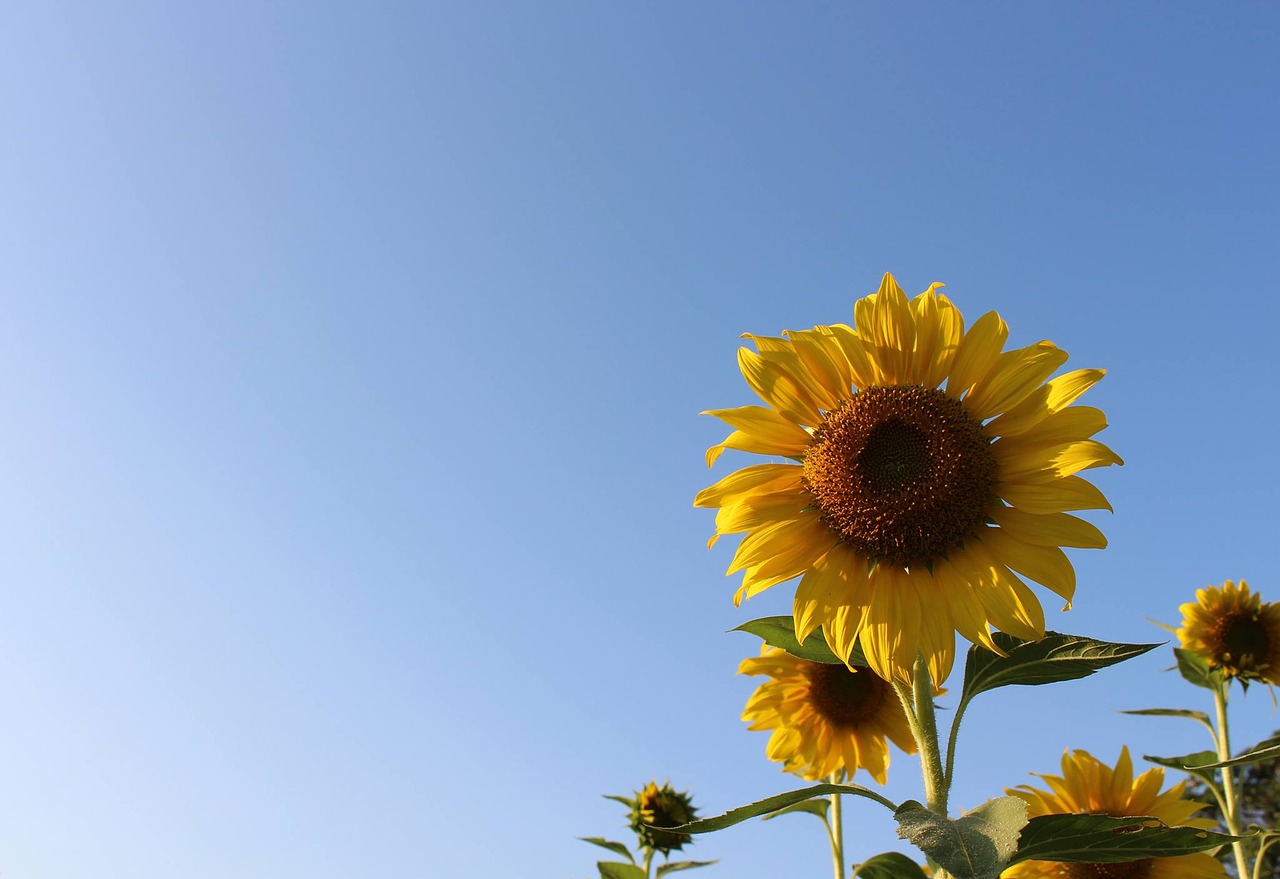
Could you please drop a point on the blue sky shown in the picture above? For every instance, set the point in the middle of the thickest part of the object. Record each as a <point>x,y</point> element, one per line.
<point>350,368</point>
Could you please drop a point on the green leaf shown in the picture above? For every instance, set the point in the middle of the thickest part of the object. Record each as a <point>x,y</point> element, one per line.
<point>1267,749</point>
<point>1192,764</point>
<point>890,865</point>
<point>978,845</point>
<point>617,799</point>
<point>672,866</point>
<point>1055,657</point>
<point>617,870</point>
<point>616,847</point>
<point>1197,716</point>
<point>781,632</point>
<point>774,804</point>
<point>1101,839</point>
<point>1195,669</point>
<point>818,807</point>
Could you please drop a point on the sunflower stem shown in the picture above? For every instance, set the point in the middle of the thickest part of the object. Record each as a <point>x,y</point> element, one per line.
<point>935,781</point>
<point>837,830</point>
<point>1231,810</point>
<point>648,861</point>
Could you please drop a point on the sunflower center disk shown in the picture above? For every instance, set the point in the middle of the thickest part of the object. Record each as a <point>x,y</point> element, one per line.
<point>903,474</point>
<point>1244,636</point>
<point>1128,870</point>
<point>844,697</point>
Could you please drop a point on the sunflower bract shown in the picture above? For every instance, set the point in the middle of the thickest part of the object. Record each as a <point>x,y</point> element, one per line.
<point>929,472</point>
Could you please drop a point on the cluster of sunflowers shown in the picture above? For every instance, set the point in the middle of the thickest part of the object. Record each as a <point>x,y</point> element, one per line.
<point>921,474</point>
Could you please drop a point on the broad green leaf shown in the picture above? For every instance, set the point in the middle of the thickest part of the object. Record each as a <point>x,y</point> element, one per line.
<point>781,632</point>
<point>1055,657</point>
<point>774,804</point>
<point>1192,764</point>
<point>1267,749</point>
<point>1101,839</point>
<point>978,845</point>
<point>819,807</point>
<point>618,870</point>
<point>616,847</point>
<point>672,866</point>
<point>1195,670</point>
<point>1197,716</point>
<point>890,865</point>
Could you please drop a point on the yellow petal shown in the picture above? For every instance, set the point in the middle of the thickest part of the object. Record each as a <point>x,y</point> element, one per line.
<point>863,370</point>
<point>1016,374</point>
<point>978,353</point>
<point>1052,529</point>
<point>891,634</point>
<point>1071,423</point>
<point>1047,565</point>
<point>844,628</point>
<point>834,581</point>
<point>939,330</point>
<point>823,360</point>
<point>778,387</point>
<point>893,333</point>
<point>753,480</point>
<point>1019,464</point>
<point>760,430</point>
<point>1044,401</point>
<point>1056,496</point>
<point>760,510</point>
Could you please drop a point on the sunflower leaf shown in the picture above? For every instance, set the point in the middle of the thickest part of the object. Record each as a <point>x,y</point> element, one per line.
<point>1267,749</point>
<point>616,847</point>
<point>1192,764</point>
<point>619,870</point>
<point>890,865</point>
<point>672,866</point>
<point>978,845</point>
<point>818,807</point>
<point>1195,670</point>
<point>781,632</point>
<point>1101,839</point>
<point>1055,657</point>
<point>774,804</point>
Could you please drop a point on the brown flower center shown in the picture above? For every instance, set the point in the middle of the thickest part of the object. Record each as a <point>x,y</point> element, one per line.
<point>844,696</point>
<point>1243,639</point>
<point>1128,870</point>
<point>903,474</point>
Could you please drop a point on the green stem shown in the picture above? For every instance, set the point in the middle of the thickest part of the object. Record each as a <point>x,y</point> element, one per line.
<point>648,860</point>
<point>837,831</point>
<point>935,781</point>
<point>949,774</point>
<point>1231,812</point>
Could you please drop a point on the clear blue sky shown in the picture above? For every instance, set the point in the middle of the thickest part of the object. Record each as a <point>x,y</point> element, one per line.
<point>351,358</point>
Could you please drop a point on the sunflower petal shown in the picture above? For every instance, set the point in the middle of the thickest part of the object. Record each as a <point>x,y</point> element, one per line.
<point>1052,462</point>
<point>1044,401</point>
<point>778,387</point>
<point>754,480</point>
<point>1016,374</point>
<point>1051,529</point>
<point>978,353</point>
<point>1047,565</point>
<point>1056,496</point>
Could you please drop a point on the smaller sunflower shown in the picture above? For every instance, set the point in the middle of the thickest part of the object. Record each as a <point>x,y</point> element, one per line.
<point>825,718</point>
<point>1089,786</point>
<point>1235,631</point>
<point>661,807</point>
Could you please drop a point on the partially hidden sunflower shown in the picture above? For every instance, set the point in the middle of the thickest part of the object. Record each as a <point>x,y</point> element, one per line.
<point>925,465</point>
<point>1235,631</point>
<point>825,718</point>
<point>655,807</point>
<point>1089,786</point>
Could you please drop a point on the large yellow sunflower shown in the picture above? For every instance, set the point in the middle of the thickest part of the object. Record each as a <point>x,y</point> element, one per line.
<point>1089,786</point>
<point>1235,631</point>
<point>825,718</point>
<point>926,466</point>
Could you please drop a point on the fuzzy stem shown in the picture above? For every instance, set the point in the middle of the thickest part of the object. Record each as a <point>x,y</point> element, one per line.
<point>1231,812</point>
<point>935,781</point>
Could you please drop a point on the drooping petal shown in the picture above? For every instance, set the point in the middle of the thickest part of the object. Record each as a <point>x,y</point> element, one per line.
<point>1051,529</point>
<point>1044,401</point>
<point>1055,496</point>
<point>757,479</point>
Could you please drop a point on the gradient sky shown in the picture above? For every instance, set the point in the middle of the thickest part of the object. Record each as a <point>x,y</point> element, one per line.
<point>350,366</point>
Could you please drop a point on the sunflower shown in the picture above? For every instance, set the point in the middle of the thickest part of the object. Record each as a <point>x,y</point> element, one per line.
<point>664,806</point>
<point>1089,786</point>
<point>927,465</point>
<point>1235,631</point>
<point>825,718</point>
